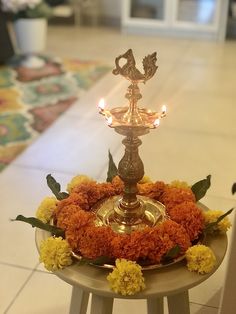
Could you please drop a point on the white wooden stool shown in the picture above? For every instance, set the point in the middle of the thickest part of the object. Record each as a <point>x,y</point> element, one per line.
<point>172,281</point>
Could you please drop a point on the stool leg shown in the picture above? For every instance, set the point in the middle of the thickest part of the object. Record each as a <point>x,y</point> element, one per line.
<point>101,305</point>
<point>179,303</point>
<point>155,306</point>
<point>79,301</point>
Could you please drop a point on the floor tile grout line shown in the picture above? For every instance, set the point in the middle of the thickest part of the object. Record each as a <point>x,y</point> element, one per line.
<point>199,132</point>
<point>209,306</point>
<point>51,171</point>
<point>20,289</point>
<point>23,267</point>
<point>17,266</point>
<point>43,272</point>
<point>21,166</point>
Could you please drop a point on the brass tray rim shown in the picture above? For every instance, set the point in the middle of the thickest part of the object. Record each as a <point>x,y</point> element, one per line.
<point>143,267</point>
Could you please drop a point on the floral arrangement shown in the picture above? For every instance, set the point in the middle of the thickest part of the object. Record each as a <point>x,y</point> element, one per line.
<point>28,9</point>
<point>74,229</point>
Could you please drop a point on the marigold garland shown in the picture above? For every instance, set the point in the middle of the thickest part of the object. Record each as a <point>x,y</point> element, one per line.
<point>148,245</point>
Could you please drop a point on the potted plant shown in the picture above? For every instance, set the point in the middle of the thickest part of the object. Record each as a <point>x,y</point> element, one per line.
<point>30,26</point>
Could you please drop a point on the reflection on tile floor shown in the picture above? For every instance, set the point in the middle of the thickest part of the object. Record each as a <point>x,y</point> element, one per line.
<point>196,80</point>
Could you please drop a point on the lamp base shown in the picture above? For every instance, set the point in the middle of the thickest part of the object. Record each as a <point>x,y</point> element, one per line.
<point>154,213</point>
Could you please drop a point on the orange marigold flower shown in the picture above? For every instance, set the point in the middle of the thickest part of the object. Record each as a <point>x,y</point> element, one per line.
<point>72,236</point>
<point>95,242</point>
<point>162,244</point>
<point>90,192</point>
<point>190,217</point>
<point>134,246</point>
<point>73,216</point>
<point>143,242</point>
<point>106,190</point>
<point>121,247</point>
<point>174,196</point>
<point>63,215</point>
<point>152,190</point>
<point>177,234</point>
<point>118,185</point>
<point>76,224</point>
<point>78,199</point>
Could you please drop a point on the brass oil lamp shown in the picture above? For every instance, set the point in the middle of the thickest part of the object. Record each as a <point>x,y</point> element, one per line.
<point>131,211</point>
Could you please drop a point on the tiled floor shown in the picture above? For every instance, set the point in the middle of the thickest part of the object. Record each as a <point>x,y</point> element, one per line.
<point>196,80</point>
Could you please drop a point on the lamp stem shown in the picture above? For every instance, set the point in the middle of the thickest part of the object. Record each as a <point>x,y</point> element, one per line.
<point>131,171</point>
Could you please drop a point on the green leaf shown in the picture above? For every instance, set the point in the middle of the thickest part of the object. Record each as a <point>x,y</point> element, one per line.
<point>112,169</point>
<point>98,261</point>
<point>234,188</point>
<point>211,226</point>
<point>56,188</point>
<point>171,254</point>
<point>34,222</point>
<point>101,260</point>
<point>200,188</point>
<point>42,10</point>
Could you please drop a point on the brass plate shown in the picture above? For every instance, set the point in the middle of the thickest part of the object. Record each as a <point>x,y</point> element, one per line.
<point>154,213</point>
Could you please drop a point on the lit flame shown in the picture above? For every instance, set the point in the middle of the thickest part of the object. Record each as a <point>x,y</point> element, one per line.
<point>156,123</point>
<point>163,111</point>
<point>101,104</point>
<point>109,121</point>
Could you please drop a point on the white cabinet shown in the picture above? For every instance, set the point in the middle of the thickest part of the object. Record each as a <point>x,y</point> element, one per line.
<point>185,18</point>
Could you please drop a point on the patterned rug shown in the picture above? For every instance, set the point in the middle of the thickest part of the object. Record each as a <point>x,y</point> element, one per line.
<point>32,99</point>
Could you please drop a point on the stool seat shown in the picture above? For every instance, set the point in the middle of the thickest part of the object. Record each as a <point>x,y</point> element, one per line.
<point>172,281</point>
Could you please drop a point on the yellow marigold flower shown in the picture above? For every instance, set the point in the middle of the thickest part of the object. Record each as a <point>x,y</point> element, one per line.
<point>179,184</point>
<point>200,258</point>
<point>145,179</point>
<point>78,180</point>
<point>55,253</point>
<point>46,208</point>
<point>212,216</point>
<point>126,278</point>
